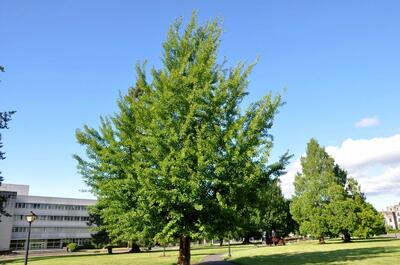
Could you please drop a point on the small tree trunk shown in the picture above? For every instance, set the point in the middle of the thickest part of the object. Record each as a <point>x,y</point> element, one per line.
<point>346,237</point>
<point>184,251</point>
<point>221,242</point>
<point>321,240</point>
<point>135,248</point>
<point>164,250</point>
<point>109,250</point>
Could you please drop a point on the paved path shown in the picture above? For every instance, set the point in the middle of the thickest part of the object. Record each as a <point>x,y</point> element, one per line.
<point>215,260</point>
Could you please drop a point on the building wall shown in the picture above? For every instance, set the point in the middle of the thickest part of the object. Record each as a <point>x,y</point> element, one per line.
<point>18,188</point>
<point>59,221</point>
<point>6,223</point>
<point>392,216</point>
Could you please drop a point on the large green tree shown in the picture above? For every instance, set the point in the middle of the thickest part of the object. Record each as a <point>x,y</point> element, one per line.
<point>180,159</point>
<point>328,203</point>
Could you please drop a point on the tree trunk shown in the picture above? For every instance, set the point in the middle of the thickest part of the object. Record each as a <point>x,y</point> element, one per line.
<point>221,242</point>
<point>135,248</point>
<point>109,250</point>
<point>346,237</point>
<point>246,240</point>
<point>321,240</point>
<point>184,251</point>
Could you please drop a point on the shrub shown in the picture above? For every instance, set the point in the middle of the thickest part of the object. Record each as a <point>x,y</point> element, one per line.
<point>72,247</point>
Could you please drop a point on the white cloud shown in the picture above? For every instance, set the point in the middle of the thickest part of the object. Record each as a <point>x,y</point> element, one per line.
<point>288,178</point>
<point>388,182</point>
<point>367,122</point>
<point>375,163</point>
<point>356,154</point>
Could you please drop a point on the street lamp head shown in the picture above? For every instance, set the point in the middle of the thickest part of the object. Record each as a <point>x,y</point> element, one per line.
<point>31,217</point>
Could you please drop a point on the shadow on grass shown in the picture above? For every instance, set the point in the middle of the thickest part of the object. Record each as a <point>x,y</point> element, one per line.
<point>214,260</point>
<point>381,239</point>
<point>370,240</point>
<point>212,250</point>
<point>320,257</point>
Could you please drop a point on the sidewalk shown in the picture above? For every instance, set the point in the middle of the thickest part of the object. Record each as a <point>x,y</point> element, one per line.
<point>215,260</point>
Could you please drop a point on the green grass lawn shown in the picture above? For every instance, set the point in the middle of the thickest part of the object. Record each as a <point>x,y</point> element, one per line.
<point>374,251</point>
<point>144,258</point>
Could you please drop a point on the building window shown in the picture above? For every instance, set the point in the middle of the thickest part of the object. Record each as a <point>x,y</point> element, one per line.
<point>37,244</point>
<point>20,205</point>
<point>54,243</point>
<point>46,206</point>
<point>20,229</point>
<point>17,244</point>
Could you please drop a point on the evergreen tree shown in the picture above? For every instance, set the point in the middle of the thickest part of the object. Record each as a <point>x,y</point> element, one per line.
<point>315,188</point>
<point>327,202</point>
<point>180,159</point>
<point>354,216</point>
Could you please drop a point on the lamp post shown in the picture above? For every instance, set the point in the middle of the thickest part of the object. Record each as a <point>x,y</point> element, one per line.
<point>30,218</point>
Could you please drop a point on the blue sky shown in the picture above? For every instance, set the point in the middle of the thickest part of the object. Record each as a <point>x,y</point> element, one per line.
<point>66,62</point>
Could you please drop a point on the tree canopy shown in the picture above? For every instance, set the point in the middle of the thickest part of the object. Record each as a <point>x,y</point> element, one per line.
<point>180,159</point>
<point>328,203</point>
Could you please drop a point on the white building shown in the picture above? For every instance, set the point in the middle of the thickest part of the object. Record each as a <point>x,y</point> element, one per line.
<point>392,216</point>
<point>59,220</point>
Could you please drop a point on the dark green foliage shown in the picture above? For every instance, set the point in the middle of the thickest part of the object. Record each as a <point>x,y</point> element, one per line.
<point>179,160</point>
<point>327,203</point>
<point>270,213</point>
<point>100,236</point>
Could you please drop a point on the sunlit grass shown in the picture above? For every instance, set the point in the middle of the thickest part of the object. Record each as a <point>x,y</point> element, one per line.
<point>374,251</point>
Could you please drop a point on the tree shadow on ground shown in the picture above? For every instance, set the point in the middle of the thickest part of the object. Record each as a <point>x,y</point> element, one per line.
<point>319,257</point>
<point>363,241</point>
<point>214,260</point>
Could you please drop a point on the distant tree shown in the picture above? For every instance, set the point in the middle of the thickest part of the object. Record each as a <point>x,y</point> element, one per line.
<point>353,216</point>
<point>290,225</point>
<point>179,159</point>
<point>270,213</point>
<point>315,187</point>
<point>327,202</point>
<point>277,216</point>
<point>5,118</point>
